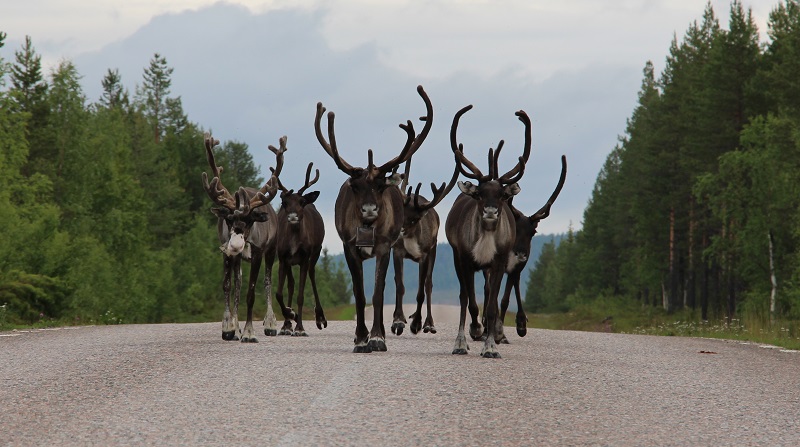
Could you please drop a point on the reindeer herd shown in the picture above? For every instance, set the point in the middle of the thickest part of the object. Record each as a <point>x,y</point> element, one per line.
<point>376,216</point>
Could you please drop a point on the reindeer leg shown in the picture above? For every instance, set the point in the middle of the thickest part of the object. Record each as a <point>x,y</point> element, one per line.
<point>522,319</point>
<point>228,326</point>
<point>485,299</point>
<point>429,262</point>
<point>475,328</point>
<point>289,321</point>
<point>461,347</point>
<point>270,322</point>
<point>377,336</point>
<point>319,315</point>
<point>248,333</point>
<point>399,321</point>
<point>282,272</point>
<point>237,292</point>
<point>299,331</point>
<point>500,336</point>
<point>357,274</point>
<point>495,279</point>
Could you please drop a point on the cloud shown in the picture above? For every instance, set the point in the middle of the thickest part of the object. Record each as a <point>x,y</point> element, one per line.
<point>254,73</point>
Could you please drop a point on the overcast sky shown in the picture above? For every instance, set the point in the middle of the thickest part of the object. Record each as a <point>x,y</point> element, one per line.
<point>253,70</point>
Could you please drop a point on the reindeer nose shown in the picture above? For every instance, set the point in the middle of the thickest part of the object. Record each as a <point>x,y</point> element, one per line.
<point>490,213</point>
<point>369,210</point>
<point>293,218</point>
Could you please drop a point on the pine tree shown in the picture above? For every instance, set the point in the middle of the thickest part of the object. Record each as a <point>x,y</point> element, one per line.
<point>154,93</point>
<point>114,93</point>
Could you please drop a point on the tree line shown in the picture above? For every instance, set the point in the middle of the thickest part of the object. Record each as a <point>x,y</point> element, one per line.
<point>103,216</point>
<point>698,205</point>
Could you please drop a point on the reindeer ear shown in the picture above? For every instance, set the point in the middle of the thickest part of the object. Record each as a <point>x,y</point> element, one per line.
<point>220,212</point>
<point>311,197</point>
<point>468,188</point>
<point>394,179</point>
<point>258,216</point>
<point>512,190</point>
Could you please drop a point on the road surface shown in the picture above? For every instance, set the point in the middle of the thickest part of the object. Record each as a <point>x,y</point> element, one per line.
<point>181,384</point>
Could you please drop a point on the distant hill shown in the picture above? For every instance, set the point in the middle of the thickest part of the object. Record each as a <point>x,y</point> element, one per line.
<point>445,282</point>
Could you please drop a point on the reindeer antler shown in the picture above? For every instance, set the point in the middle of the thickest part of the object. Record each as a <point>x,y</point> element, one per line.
<point>307,183</point>
<point>545,210</point>
<point>216,191</point>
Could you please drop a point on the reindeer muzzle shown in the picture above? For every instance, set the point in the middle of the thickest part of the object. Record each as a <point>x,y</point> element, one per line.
<point>234,246</point>
<point>490,218</point>
<point>369,213</point>
<point>293,218</point>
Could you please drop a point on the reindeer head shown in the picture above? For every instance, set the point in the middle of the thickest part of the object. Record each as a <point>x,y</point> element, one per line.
<point>416,207</point>
<point>293,203</point>
<point>238,212</point>
<point>492,190</point>
<point>367,184</point>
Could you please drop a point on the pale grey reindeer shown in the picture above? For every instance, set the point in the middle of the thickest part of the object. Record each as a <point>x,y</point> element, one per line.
<point>301,232</point>
<point>480,229</point>
<point>368,215</point>
<point>246,229</point>
<point>417,242</point>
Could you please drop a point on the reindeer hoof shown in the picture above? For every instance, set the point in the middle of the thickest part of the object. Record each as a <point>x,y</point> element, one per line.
<point>229,336</point>
<point>270,332</point>
<point>476,331</point>
<point>502,341</point>
<point>522,331</point>
<point>249,340</point>
<point>431,329</point>
<point>377,344</point>
<point>362,349</point>
<point>459,351</point>
<point>397,328</point>
<point>299,334</point>
<point>285,332</point>
<point>491,355</point>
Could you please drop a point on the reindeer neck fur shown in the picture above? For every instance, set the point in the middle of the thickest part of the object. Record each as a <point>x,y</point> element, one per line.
<point>483,246</point>
<point>347,218</point>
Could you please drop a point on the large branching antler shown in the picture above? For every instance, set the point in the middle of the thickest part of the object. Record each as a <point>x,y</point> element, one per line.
<point>330,148</point>
<point>438,193</point>
<point>216,191</point>
<point>545,210</point>
<point>515,174</point>
<point>244,206</point>
<point>307,182</point>
<point>413,142</point>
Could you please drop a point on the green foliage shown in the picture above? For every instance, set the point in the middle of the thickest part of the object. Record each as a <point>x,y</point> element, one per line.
<point>102,212</point>
<point>707,174</point>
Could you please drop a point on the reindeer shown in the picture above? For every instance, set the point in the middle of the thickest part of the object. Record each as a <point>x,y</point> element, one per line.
<point>418,240</point>
<point>368,217</point>
<point>480,229</point>
<point>518,258</point>
<point>246,230</point>
<point>301,233</point>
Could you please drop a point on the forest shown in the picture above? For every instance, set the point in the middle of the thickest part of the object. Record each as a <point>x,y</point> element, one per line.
<point>104,219</point>
<point>103,216</point>
<point>697,208</point>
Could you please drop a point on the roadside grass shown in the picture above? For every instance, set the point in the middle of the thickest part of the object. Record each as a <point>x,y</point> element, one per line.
<point>620,316</point>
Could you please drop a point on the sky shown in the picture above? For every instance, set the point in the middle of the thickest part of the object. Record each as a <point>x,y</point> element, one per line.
<point>252,71</point>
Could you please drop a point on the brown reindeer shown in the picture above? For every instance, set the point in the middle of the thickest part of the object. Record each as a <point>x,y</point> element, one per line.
<point>368,215</point>
<point>417,242</point>
<point>246,230</point>
<point>480,229</point>
<point>518,258</point>
<point>301,232</point>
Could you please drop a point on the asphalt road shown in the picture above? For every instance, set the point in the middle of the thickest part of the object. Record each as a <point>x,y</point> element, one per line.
<point>181,384</point>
